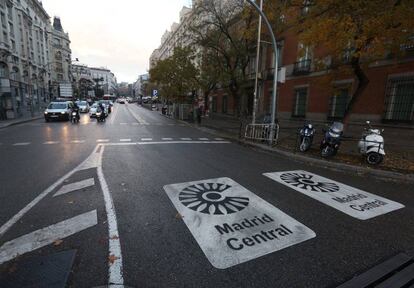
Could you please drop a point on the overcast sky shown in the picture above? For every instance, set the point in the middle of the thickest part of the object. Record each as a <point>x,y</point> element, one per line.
<point>120,35</point>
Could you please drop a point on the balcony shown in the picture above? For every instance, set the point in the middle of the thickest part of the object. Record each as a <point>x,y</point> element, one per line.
<point>302,67</point>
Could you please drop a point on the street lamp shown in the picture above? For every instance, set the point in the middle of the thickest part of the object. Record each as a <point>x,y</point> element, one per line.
<point>274,92</point>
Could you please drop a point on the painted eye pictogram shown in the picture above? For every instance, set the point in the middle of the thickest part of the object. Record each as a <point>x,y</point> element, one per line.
<point>306,182</point>
<point>208,198</point>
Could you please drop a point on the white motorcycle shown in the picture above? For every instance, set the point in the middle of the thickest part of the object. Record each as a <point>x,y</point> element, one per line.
<point>371,145</point>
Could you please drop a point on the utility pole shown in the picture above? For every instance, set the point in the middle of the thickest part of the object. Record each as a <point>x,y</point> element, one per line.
<point>256,82</point>
<point>274,92</point>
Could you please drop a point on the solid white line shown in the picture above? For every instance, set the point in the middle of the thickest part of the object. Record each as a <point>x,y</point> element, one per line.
<point>75,186</point>
<point>167,139</point>
<point>6,226</point>
<point>51,142</point>
<point>43,237</point>
<point>146,139</point>
<point>102,140</point>
<point>77,141</point>
<point>115,268</point>
<point>21,144</point>
<point>186,139</point>
<point>125,140</point>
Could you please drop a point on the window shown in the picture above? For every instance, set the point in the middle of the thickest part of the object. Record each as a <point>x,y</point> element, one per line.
<point>10,12</point>
<point>13,43</point>
<point>3,71</point>
<point>3,20</point>
<point>60,77</point>
<point>338,103</point>
<point>400,99</point>
<point>225,104</point>
<point>11,30</point>
<point>300,99</point>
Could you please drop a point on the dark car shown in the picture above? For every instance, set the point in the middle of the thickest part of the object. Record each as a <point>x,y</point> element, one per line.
<point>58,111</point>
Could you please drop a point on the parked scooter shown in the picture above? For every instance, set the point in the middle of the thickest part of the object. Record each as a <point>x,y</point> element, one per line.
<point>332,139</point>
<point>306,137</point>
<point>371,145</point>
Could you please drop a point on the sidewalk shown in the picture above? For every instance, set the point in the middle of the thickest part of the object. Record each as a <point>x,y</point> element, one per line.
<point>398,143</point>
<point>25,118</point>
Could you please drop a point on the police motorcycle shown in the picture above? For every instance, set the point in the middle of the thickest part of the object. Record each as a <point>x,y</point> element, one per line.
<point>332,139</point>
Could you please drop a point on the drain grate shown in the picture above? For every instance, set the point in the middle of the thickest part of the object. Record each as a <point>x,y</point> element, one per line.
<point>50,271</point>
<point>397,272</point>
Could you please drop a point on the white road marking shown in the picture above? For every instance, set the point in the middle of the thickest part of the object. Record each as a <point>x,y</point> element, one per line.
<point>102,140</point>
<point>22,144</point>
<point>85,165</point>
<point>113,116</point>
<point>166,142</point>
<point>146,139</point>
<point>137,116</point>
<point>77,141</point>
<point>203,139</point>
<point>231,224</point>
<point>115,268</point>
<point>349,200</point>
<point>125,140</point>
<point>75,186</point>
<point>43,237</point>
<point>167,139</point>
<point>186,139</point>
<point>51,142</point>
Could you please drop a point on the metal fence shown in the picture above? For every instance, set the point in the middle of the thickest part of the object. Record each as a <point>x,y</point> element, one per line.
<point>261,132</point>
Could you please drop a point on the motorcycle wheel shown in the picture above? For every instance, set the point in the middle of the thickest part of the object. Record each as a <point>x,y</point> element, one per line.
<point>374,158</point>
<point>326,152</point>
<point>304,145</point>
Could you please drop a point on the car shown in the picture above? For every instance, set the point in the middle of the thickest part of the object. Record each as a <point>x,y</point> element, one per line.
<point>121,101</point>
<point>83,106</point>
<point>94,109</point>
<point>58,110</point>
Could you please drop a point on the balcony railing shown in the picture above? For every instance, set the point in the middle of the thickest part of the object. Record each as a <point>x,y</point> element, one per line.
<point>302,67</point>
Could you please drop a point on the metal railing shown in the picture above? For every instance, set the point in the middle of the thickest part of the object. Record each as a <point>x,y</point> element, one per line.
<point>302,67</point>
<point>261,132</point>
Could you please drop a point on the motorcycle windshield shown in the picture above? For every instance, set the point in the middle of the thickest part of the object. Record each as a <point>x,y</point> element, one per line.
<point>337,128</point>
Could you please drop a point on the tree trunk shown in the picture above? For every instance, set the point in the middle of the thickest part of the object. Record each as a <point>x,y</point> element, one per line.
<point>362,84</point>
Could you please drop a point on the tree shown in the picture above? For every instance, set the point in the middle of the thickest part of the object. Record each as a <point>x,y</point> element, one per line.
<point>223,30</point>
<point>360,31</point>
<point>176,76</point>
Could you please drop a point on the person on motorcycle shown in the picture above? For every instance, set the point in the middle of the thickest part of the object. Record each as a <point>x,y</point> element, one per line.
<point>102,109</point>
<point>76,109</point>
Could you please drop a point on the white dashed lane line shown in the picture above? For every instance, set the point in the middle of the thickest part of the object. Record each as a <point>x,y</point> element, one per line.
<point>186,139</point>
<point>22,144</point>
<point>203,139</point>
<point>167,139</point>
<point>51,142</point>
<point>146,139</point>
<point>77,141</point>
<point>102,140</point>
<point>124,140</point>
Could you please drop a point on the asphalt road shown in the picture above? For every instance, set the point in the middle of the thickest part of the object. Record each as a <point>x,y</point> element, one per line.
<point>133,156</point>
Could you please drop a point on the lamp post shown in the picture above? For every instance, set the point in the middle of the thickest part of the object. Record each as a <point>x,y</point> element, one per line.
<point>274,92</point>
<point>256,81</point>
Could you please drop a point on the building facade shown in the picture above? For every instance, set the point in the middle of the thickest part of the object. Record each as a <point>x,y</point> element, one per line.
<point>107,79</point>
<point>140,86</point>
<point>24,57</point>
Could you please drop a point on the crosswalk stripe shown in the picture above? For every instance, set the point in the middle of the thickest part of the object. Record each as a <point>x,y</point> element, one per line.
<point>125,140</point>
<point>45,236</point>
<point>21,144</point>
<point>51,142</point>
<point>75,186</point>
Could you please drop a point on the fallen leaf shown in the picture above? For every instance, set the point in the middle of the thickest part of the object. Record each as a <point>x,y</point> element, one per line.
<point>112,258</point>
<point>58,242</point>
<point>114,237</point>
<point>179,216</point>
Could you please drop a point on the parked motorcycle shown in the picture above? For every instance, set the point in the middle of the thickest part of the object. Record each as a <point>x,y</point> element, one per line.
<point>75,117</point>
<point>306,137</point>
<point>332,139</point>
<point>371,145</point>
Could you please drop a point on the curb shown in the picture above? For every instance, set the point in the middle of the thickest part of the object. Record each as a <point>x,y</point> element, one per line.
<point>338,166</point>
<point>20,122</point>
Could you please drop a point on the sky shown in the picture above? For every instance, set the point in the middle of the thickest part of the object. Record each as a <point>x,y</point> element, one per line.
<point>117,34</point>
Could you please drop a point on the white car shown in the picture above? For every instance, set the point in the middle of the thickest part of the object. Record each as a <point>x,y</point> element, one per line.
<point>83,106</point>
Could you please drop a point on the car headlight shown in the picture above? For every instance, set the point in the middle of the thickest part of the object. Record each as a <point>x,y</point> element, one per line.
<point>45,112</point>
<point>62,112</point>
